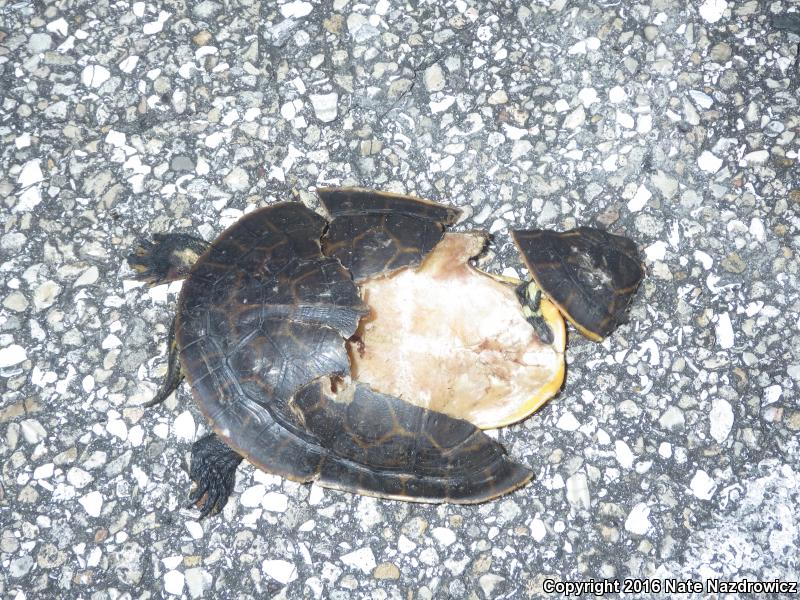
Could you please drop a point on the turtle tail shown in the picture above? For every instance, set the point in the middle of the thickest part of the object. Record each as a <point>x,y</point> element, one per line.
<point>174,375</point>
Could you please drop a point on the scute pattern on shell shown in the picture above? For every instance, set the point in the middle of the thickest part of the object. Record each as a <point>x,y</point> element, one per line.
<point>262,323</point>
<point>378,232</point>
<point>590,274</point>
<point>382,446</point>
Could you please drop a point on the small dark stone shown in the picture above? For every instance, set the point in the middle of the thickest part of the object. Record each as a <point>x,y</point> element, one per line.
<point>790,23</point>
<point>181,163</point>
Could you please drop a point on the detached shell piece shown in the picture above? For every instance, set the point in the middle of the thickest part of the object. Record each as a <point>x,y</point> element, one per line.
<point>378,445</point>
<point>590,274</point>
<point>374,233</point>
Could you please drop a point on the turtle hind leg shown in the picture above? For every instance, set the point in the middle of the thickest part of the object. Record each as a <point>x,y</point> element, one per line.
<point>174,373</point>
<point>213,471</point>
<point>168,257</point>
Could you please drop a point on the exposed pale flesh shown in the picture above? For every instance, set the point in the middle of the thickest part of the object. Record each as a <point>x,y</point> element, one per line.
<point>450,338</point>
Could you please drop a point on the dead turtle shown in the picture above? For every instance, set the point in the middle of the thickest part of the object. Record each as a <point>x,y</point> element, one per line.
<point>366,353</point>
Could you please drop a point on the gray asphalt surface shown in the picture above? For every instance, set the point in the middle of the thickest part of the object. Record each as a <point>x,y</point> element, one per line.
<point>671,452</point>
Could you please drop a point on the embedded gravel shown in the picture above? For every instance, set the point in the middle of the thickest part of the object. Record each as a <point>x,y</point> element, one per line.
<point>673,449</point>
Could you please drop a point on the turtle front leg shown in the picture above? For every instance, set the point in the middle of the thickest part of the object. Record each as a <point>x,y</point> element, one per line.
<point>530,297</point>
<point>168,257</point>
<point>213,471</point>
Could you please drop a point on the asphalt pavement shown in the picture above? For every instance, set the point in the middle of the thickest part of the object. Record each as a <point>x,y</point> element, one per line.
<point>671,453</point>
